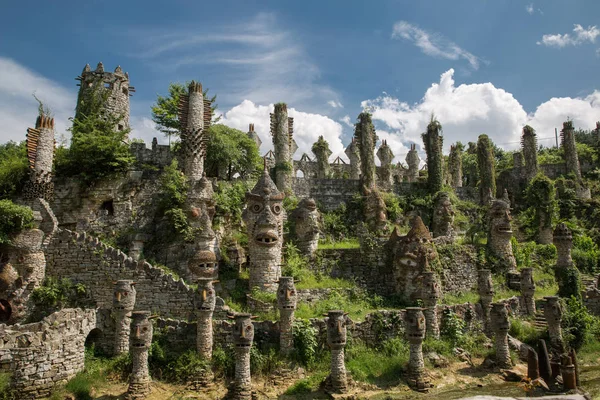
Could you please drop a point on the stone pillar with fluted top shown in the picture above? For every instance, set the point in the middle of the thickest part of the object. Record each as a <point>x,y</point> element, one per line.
<point>123,304</point>
<point>287,298</point>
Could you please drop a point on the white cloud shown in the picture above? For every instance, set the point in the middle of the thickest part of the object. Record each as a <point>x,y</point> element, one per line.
<point>433,44</point>
<point>580,36</point>
<point>307,127</point>
<point>347,121</point>
<point>18,108</point>
<point>261,60</point>
<point>529,8</point>
<point>468,110</point>
<point>335,104</point>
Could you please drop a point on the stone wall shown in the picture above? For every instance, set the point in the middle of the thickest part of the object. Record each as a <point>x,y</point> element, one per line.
<point>84,259</point>
<point>328,193</point>
<point>44,354</point>
<point>159,155</point>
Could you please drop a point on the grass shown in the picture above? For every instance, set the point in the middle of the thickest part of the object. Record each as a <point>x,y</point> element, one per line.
<point>382,366</point>
<point>356,303</point>
<point>343,244</point>
<point>320,281</point>
<point>460,298</point>
<point>524,330</point>
<point>307,385</point>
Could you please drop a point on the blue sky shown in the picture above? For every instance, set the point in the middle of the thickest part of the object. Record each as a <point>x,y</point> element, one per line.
<point>480,66</point>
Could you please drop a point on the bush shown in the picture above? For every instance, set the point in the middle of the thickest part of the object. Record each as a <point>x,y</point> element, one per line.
<point>55,294</point>
<point>13,168</point>
<point>5,389</point>
<point>230,198</point>
<point>13,219</point>
<point>305,342</point>
<point>187,366</point>
<point>580,327</point>
<point>569,282</point>
<point>223,361</point>
<point>453,327</point>
<point>380,366</point>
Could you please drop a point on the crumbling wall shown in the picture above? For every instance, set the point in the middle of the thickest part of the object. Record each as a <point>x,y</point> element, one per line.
<point>44,354</point>
<point>84,259</point>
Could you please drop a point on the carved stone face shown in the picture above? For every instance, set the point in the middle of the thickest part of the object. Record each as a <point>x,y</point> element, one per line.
<point>375,210</point>
<point>485,283</point>
<point>336,329</point>
<point>499,318</point>
<point>444,210</point>
<point>527,282</point>
<point>415,324</point>
<point>206,296</point>
<point>553,310</point>
<point>430,289</point>
<point>243,330</point>
<point>124,296</point>
<point>287,296</point>
<point>500,220</point>
<point>141,330</point>
<point>306,218</point>
<point>203,264</point>
<point>263,216</point>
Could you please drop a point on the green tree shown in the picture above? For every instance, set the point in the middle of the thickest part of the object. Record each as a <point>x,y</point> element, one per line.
<point>486,167</point>
<point>230,150</point>
<point>98,149</point>
<point>433,141</point>
<point>13,168</point>
<point>13,219</point>
<point>165,112</point>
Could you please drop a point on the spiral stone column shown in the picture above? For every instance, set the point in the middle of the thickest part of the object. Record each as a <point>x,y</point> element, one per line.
<point>430,295</point>
<point>123,304</point>
<point>553,312</point>
<point>286,302</point>
<point>336,340</point>
<point>528,290</point>
<point>485,287</point>
<point>243,336</point>
<point>415,334</point>
<point>141,340</point>
<point>501,326</point>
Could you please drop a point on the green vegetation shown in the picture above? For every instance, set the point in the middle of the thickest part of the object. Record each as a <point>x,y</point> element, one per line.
<point>486,167</point>
<point>579,326</point>
<point>433,141</point>
<point>13,219</point>
<point>297,266</point>
<point>55,294</point>
<point>230,198</point>
<point>229,152</point>
<point>13,168</point>
<point>5,390</point>
<point>342,244</point>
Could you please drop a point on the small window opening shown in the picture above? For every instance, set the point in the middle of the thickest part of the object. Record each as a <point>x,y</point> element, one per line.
<point>108,207</point>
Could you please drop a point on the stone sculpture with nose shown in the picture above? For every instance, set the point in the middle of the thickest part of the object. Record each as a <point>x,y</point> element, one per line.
<point>336,340</point>
<point>141,340</point>
<point>286,302</point>
<point>123,304</point>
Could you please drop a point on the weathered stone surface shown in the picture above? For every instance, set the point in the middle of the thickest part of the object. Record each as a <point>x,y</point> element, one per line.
<point>499,235</point>
<point>553,312</point>
<point>501,326</point>
<point>443,216</point>
<point>336,321</point>
<point>141,340</point>
<point>306,219</point>
<point>123,305</point>
<point>205,307</point>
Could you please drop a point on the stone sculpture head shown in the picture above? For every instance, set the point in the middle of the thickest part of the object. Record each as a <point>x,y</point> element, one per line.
<point>206,297</point>
<point>500,218</point>
<point>443,216</point>
<point>430,288</point>
<point>243,331</point>
<point>202,208</point>
<point>415,325</point>
<point>336,329</point>
<point>375,210</point>
<point>264,214</point>
<point>203,264</point>
<point>306,219</point>
<point>141,330</point>
<point>124,296</point>
<point>527,282</point>
<point>499,318</point>
<point>415,250</point>
<point>553,310</point>
<point>485,285</point>
<point>287,297</point>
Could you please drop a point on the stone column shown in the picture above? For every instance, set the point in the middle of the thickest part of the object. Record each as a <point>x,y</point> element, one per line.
<point>413,161</point>
<point>455,165</point>
<point>443,216</point>
<point>415,334</point>
<point>485,288</point>
<point>286,302</point>
<point>264,216</point>
<point>499,235</point>
<point>553,312</point>
<point>563,240</point>
<point>486,167</point>
<point>433,141</point>
<point>194,116</point>
<point>123,304</point>
<point>243,335</point>
<point>282,131</point>
<point>336,340</point>
<point>40,152</point>
<point>501,326</point>
<point>353,153</point>
<point>141,340</point>
<point>567,371</point>
<point>364,132</point>
<point>570,149</point>
<point>528,290</point>
<point>431,293</point>
<point>205,306</point>
<point>321,150</point>
<point>254,136</point>
<point>529,145</point>
<point>386,156</point>
<point>306,226</point>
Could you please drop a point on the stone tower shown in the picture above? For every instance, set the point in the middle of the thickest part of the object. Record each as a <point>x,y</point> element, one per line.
<point>40,152</point>
<point>353,153</point>
<point>253,135</point>
<point>195,114</point>
<point>413,161</point>
<point>568,143</point>
<point>117,83</point>
<point>529,145</point>
<point>386,156</point>
<point>364,132</point>
<point>455,165</point>
<point>486,167</point>
<point>282,130</point>
<point>321,150</point>
<point>433,141</point>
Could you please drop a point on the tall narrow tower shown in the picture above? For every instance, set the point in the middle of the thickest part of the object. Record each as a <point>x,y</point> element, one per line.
<point>40,152</point>
<point>117,85</point>
<point>282,130</point>
<point>195,114</point>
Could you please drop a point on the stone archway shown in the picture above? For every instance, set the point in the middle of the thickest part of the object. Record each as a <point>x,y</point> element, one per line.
<point>93,338</point>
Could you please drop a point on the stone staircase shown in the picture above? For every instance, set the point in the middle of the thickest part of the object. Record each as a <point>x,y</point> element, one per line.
<point>540,321</point>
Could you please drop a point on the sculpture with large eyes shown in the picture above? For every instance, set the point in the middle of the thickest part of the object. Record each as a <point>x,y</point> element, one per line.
<point>264,217</point>
<point>141,330</point>
<point>501,325</point>
<point>287,296</point>
<point>124,296</point>
<point>203,264</point>
<point>336,329</point>
<point>141,340</point>
<point>243,331</point>
<point>499,316</point>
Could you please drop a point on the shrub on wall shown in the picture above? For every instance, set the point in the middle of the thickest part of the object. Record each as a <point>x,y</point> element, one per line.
<point>13,218</point>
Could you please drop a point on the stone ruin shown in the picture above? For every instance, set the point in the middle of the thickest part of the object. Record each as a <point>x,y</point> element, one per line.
<point>501,325</point>
<point>282,130</point>
<point>499,236</point>
<point>413,161</point>
<point>40,153</point>
<point>337,381</point>
<point>528,290</point>
<point>243,336</point>
<point>287,298</point>
<point>415,334</point>
<point>141,340</point>
<point>485,288</point>
<point>195,114</point>
<point>443,217</point>
<point>386,156</point>
<point>123,305</point>
<point>306,220</point>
